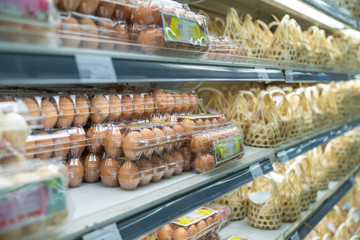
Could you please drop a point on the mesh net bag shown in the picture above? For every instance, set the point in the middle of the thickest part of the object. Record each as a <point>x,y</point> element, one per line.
<point>304,160</point>
<point>264,204</point>
<point>327,104</point>
<point>263,128</point>
<point>237,201</point>
<point>256,40</point>
<point>302,122</point>
<point>341,148</point>
<point>305,112</point>
<point>305,190</point>
<point>330,162</point>
<point>312,97</point>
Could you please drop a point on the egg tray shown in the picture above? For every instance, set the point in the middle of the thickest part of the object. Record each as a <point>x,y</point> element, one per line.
<point>21,182</point>
<point>129,175</point>
<point>222,49</point>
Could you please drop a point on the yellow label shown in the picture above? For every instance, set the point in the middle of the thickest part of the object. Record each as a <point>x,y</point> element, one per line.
<point>195,216</point>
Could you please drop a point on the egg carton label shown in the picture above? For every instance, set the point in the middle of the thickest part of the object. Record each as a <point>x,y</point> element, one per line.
<point>183,30</point>
<point>28,11</point>
<point>22,205</point>
<point>228,148</point>
<point>199,116</point>
<point>236,238</point>
<point>195,216</point>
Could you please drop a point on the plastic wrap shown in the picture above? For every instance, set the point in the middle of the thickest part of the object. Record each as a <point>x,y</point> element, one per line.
<point>32,196</point>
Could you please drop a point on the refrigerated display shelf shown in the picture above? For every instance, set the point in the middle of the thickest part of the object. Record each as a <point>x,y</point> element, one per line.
<point>308,220</point>
<point>288,150</point>
<point>25,65</point>
<point>144,209</point>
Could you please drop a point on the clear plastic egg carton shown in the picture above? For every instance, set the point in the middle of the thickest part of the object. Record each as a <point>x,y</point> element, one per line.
<point>222,49</point>
<point>127,174</point>
<point>33,197</point>
<point>198,123</point>
<point>57,144</point>
<point>202,223</point>
<point>212,148</point>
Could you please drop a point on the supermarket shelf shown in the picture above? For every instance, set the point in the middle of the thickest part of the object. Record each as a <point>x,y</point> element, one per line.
<point>24,65</point>
<point>142,210</point>
<point>334,12</point>
<point>309,219</point>
<point>290,149</point>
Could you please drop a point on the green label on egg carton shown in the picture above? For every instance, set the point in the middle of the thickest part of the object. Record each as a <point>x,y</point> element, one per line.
<point>183,30</point>
<point>228,148</point>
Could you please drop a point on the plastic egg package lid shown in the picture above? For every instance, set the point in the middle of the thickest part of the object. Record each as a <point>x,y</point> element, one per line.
<point>203,223</point>
<point>27,212</point>
<point>222,45</point>
<point>56,143</point>
<point>199,122</point>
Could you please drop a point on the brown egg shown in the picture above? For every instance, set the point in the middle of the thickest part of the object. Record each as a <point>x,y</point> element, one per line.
<point>171,137</point>
<point>180,132</point>
<point>88,6</point>
<point>109,172</point>
<point>68,5</point>
<point>127,107</point>
<point>165,232</point>
<point>187,158</point>
<point>122,10</point>
<point>201,226</point>
<point>186,102</point>
<point>199,125</point>
<point>150,140</point>
<point>210,221</point>
<point>134,32</point>
<point>179,159</point>
<point>161,140</point>
<point>129,175</point>
<point>189,125</point>
<point>139,105</point>
<point>193,102</point>
<point>215,122</point>
<point>133,145</point>
<point>107,34</point>
<point>178,102</point>
<point>61,144</point>
<point>105,9</point>
<point>89,30</point>
<point>66,112</point>
<point>76,169</point>
<point>155,119</point>
<point>149,105</point>
<point>30,148</point>
<point>200,143</point>
<point>180,234</point>
<point>7,99</point>
<point>160,100</point>
<point>148,14</point>
<point>214,136</point>
<point>32,106</point>
<point>122,36</point>
<point>77,141</point>
<point>169,165</point>
<point>92,164</point>
<point>204,162</point>
<point>158,167</point>
<point>115,107</point>
<point>82,111</point>
<point>113,141</point>
<point>207,124</point>
<point>44,146</point>
<point>153,37</point>
<point>49,110</point>
<point>192,230</point>
<point>146,171</point>
<point>95,137</point>
<point>170,103</point>
<point>99,109</point>
<point>217,217</point>
<point>70,27</point>
<point>222,119</point>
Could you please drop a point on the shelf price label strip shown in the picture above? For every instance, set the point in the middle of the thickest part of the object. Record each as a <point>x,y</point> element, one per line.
<point>308,76</point>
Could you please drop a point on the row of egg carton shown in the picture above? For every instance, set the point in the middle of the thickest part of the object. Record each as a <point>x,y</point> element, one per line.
<point>63,111</point>
<point>110,24</point>
<point>25,188</point>
<point>129,175</point>
<point>202,223</point>
<point>118,140</point>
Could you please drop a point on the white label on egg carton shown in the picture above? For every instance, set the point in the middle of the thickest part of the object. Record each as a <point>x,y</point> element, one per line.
<point>110,232</point>
<point>256,171</point>
<point>95,69</point>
